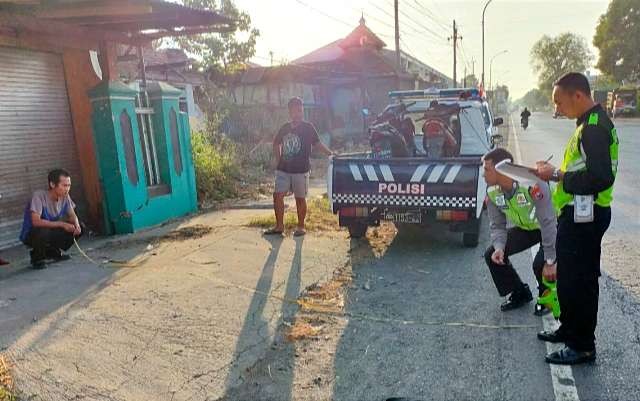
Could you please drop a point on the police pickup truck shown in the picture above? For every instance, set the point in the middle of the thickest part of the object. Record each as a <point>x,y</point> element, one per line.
<point>429,188</point>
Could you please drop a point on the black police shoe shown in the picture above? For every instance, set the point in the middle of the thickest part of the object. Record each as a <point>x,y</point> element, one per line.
<point>517,298</point>
<point>540,310</point>
<point>569,356</point>
<point>551,336</point>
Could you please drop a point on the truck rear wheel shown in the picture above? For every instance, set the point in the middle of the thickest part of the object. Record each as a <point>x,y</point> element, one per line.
<point>357,230</point>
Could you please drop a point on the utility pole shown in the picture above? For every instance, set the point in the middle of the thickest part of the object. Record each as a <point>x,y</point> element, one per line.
<point>271,57</point>
<point>395,9</point>
<point>473,66</point>
<point>455,38</point>
<point>464,77</point>
<point>483,11</point>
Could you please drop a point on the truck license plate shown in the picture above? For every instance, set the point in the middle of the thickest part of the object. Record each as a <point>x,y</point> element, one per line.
<point>411,217</point>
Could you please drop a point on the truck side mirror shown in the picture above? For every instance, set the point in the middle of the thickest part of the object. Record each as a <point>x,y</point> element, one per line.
<point>498,121</point>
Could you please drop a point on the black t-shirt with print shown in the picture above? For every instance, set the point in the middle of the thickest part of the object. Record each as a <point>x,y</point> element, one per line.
<point>296,146</point>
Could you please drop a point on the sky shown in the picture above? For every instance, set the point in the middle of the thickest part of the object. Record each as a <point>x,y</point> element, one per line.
<point>293,28</point>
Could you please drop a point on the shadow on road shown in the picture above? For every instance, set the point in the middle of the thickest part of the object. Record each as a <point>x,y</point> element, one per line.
<point>266,379</point>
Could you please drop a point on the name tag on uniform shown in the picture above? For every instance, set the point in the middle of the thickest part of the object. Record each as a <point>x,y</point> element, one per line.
<point>500,202</point>
<point>583,209</point>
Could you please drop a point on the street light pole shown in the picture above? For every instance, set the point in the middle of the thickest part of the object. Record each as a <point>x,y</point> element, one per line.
<point>483,11</point>
<point>491,65</point>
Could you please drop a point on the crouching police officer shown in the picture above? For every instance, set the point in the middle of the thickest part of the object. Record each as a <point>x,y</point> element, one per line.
<point>530,211</point>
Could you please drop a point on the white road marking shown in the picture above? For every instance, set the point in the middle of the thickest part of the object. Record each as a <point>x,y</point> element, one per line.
<point>564,385</point>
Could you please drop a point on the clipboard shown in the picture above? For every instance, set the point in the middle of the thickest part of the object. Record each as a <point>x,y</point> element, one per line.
<point>522,174</point>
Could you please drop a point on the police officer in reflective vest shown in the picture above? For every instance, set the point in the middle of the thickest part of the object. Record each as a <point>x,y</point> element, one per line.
<point>531,213</point>
<point>582,197</point>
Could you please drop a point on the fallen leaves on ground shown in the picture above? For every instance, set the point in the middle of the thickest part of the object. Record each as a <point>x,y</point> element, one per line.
<point>186,233</point>
<point>6,381</point>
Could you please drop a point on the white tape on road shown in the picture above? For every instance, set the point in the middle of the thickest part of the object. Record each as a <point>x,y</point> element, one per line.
<point>516,142</point>
<point>564,385</point>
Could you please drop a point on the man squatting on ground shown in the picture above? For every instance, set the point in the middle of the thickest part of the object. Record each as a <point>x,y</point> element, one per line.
<point>50,223</point>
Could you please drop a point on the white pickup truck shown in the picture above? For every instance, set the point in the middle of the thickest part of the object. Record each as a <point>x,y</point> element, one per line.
<point>423,190</point>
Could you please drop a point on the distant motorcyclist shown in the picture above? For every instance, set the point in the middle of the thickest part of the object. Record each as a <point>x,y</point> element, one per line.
<point>524,118</point>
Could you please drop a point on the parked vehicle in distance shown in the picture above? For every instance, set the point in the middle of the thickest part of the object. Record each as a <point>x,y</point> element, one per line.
<point>622,102</point>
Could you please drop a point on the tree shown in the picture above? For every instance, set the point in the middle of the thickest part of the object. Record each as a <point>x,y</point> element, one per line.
<point>471,81</point>
<point>504,90</point>
<point>222,52</point>
<point>616,38</point>
<point>553,57</point>
<point>535,99</point>
<point>605,82</point>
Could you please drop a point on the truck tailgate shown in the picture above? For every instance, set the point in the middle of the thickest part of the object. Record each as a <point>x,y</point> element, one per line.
<point>453,183</point>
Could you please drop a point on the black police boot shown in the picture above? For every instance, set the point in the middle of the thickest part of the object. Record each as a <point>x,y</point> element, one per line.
<point>570,356</point>
<point>551,336</point>
<point>517,298</point>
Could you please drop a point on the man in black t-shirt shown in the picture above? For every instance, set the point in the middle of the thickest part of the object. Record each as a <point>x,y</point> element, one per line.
<point>292,148</point>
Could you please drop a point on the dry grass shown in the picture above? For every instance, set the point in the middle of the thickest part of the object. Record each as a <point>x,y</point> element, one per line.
<point>319,218</point>
<point>303,328</point>
<point>378,240</point>
<point>6,381</point>
<point>186,233</point>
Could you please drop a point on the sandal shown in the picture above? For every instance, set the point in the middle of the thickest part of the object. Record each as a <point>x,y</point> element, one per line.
<point>299,233</point>
<point>272,231</point>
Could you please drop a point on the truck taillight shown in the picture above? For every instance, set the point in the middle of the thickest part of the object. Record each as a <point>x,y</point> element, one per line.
<point>451,215</point>
<point>354,212</point>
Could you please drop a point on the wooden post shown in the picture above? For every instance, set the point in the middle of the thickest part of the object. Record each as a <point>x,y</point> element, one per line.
<point>108,58</point>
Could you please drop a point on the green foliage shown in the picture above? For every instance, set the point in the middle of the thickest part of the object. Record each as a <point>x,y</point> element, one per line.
<point>551,57</point>
<point>617,40</point>
<point>222,52</point>
<point>216,164</point>
<point>535,99</point>
<point>471,81</point>
<point>605,82</point>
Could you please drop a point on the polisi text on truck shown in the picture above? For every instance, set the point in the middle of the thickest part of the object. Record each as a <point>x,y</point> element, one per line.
<point>401,189</point>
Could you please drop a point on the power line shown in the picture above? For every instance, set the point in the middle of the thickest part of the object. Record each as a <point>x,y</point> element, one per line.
<point>425,14</point>
<point>425,29</point>
<point>380,8</point>
<point>433,16</point>
<point>323,13</point>
<point>422,29</point>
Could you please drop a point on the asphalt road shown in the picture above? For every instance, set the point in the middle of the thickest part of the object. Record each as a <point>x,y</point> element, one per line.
<point>435,283</point>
